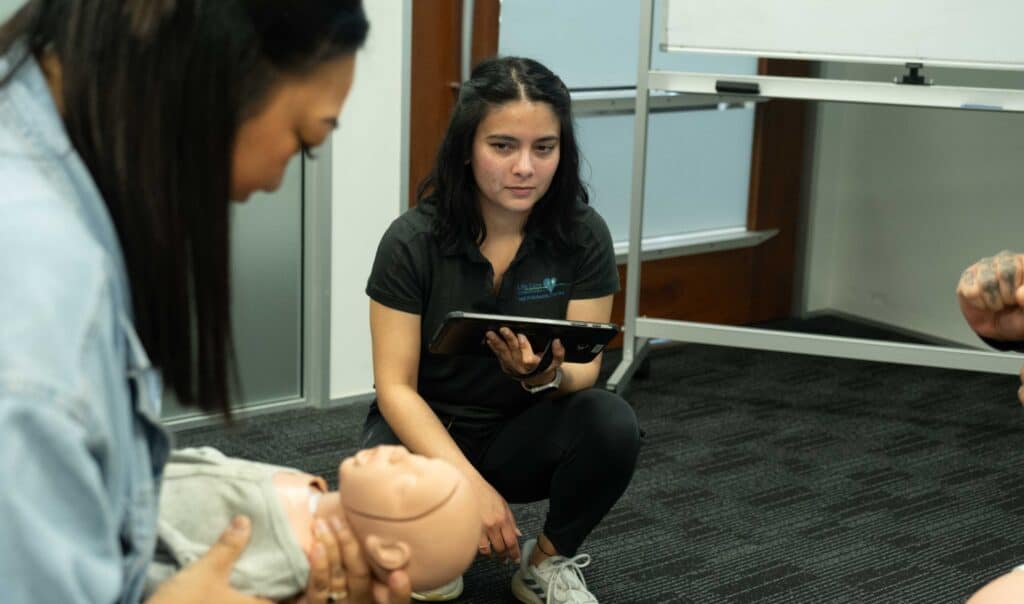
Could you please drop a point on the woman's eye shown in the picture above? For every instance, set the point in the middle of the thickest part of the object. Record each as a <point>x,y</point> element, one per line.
<point>501,146</point>
<point>545,148</point>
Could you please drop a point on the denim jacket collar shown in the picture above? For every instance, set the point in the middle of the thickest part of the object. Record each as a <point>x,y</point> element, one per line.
<point>43,126</point>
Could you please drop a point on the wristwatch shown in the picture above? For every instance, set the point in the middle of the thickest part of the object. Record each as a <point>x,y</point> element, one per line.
<point>552,385</point>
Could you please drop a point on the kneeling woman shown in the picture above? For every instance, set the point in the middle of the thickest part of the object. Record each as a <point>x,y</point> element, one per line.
<point>503,226</point>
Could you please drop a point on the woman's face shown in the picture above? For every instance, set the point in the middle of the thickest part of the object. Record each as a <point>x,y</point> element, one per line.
<point>515,154</point>
<point>300,112</point>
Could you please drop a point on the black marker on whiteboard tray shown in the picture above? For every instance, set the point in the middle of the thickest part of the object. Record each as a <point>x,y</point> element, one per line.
<point>727,87</point>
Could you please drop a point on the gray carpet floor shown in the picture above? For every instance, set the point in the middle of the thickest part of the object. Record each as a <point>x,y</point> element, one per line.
<point>769,477</point>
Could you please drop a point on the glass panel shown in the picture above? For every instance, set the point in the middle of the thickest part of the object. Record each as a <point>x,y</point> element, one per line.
<point>698,166</point>
<point>698,162</point>
<point>267,289</point>
<point>599,51</point>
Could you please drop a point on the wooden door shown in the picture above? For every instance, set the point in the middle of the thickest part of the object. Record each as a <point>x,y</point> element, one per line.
<point>436,72</point>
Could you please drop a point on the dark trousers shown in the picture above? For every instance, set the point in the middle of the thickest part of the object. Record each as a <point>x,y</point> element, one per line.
<point>578,451</point>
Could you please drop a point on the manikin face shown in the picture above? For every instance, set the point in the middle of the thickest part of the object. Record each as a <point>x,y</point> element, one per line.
<point>389,482</point>
<point>301,112</point>
<point>515,155</point>
<point>410,512</point>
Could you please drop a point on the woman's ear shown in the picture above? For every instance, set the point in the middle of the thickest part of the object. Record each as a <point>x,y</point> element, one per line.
<point>387,554</point>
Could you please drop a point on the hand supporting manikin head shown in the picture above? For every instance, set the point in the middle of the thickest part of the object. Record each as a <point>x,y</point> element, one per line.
<point>407,511</point>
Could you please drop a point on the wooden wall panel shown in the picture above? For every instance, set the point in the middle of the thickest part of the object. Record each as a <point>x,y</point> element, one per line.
<point>776,175</point>
<point>486,15</point>
<point>437,72</point>
<point>712,288</point>
<point>436,44</point>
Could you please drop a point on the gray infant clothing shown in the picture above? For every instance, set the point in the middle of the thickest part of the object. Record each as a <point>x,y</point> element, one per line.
<point>202,491</point>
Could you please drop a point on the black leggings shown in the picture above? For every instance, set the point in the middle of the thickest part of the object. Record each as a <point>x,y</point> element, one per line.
<point>579,451</point>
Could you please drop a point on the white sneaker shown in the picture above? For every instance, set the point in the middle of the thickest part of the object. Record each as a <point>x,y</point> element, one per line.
<point>556,580</point>
<point>445,593</point>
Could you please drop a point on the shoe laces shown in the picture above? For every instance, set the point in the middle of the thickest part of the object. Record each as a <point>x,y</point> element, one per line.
<point>567,578</point>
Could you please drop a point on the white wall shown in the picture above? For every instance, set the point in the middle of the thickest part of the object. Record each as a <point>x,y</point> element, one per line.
<point>370,185</point>
<point>902,199</point>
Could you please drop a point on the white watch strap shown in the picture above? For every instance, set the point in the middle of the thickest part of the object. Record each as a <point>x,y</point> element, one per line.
<point>552,385</point>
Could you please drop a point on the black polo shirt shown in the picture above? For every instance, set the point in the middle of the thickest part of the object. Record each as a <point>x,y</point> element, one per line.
<point>414,274</point>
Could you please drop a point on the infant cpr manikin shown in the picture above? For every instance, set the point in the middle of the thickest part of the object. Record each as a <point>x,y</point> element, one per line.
<point>407,511</point>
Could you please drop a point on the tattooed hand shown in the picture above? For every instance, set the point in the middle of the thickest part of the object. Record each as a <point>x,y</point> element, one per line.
<point>991,294</point>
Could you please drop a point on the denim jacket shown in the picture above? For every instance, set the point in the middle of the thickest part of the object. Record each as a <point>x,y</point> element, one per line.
<point>81,449</point>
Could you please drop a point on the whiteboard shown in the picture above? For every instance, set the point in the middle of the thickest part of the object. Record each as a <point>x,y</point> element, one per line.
<point>956,33</point>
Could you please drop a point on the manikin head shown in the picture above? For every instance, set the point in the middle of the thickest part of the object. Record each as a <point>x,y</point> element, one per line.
<point>411,513</point>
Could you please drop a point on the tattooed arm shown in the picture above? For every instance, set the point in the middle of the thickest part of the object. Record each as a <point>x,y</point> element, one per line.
<point>991,294</point>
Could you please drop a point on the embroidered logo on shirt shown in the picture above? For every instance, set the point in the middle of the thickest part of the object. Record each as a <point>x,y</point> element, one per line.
<point>549,287</point>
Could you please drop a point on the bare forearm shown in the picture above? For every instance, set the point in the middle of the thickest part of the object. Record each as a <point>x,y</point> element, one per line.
<point>579,376</point>
<point>418,427</point>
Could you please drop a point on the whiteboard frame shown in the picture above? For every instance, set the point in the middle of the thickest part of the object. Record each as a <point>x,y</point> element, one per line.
<point>845,58</point>
<point>848,91</point>
<point>639,332</point>
<point>860,349</point>
<point>807,56</point>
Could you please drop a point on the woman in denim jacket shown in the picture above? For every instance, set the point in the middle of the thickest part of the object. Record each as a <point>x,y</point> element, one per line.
<point>126,126</point>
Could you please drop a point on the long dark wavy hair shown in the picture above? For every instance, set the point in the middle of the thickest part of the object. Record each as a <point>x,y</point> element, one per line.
<point>495,82</point>
<point>154,92</point>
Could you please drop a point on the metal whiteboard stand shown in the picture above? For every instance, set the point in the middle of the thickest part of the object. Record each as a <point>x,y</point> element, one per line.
<point>634,348</point>
<point>639,331</point>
